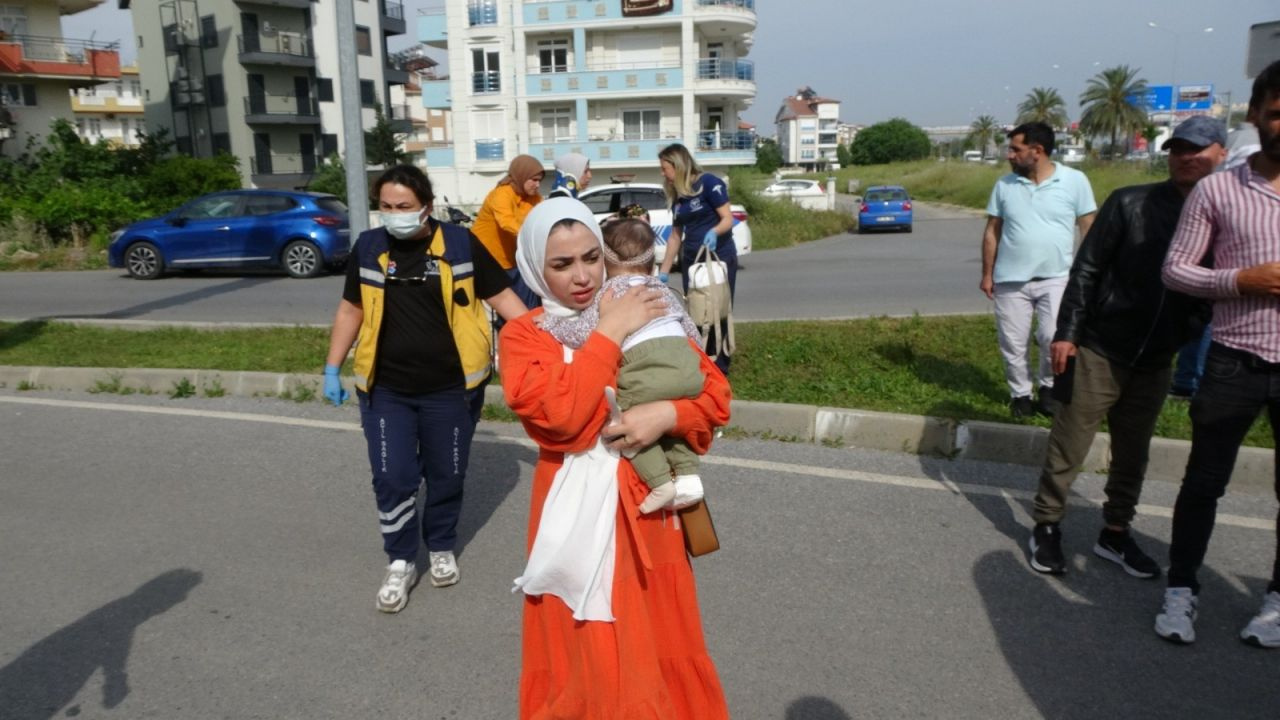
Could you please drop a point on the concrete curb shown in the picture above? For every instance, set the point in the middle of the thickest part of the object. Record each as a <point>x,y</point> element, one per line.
<point>971,440</point>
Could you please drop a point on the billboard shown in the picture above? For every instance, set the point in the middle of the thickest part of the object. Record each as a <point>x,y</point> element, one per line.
<point>1160,98</point>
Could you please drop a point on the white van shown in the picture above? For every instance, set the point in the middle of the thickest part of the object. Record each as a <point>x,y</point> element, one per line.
<point>973,156</point>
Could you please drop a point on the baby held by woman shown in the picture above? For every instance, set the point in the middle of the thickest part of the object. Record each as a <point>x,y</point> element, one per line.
<point>658,362</point>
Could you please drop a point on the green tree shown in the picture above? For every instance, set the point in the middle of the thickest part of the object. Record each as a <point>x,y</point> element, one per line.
<point>982,132</point>
<point>768,156</point>
<point>1044,105</point>
<point>1107,110</point>
<point>889,141</point>
<point>843,155</point>
<point>381,144</point>
<point>330,177</point>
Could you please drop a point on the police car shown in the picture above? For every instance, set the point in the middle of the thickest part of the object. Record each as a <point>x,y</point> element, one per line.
<point>606,200</point>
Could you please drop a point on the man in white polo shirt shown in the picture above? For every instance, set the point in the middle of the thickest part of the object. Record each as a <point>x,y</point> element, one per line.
<point>1027,249</point>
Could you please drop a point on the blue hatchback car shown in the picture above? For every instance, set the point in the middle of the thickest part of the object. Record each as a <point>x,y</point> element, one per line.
<point>885,206</point>
<point>299,232</point>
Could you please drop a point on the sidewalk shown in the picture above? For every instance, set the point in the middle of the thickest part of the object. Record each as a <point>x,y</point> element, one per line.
<point>965,439</point>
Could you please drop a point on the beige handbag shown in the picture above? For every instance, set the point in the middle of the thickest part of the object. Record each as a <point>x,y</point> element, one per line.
<point>709,301</point>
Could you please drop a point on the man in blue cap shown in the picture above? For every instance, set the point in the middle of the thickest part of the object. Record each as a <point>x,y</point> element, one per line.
<point>1117,332</point>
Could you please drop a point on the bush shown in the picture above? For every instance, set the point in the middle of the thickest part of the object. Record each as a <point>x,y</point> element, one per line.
<point>891,141</point>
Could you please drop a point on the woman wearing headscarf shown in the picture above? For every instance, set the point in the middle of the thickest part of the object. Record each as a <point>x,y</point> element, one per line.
<point>573,175</point>
<point>611,623</point>
<point>502,213</point>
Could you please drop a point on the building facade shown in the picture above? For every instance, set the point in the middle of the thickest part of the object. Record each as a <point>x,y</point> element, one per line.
<point>39,68</point>
<point>111,111</point>
<point>616,80</point>
<point>808,130</point>
<point>258,78</point>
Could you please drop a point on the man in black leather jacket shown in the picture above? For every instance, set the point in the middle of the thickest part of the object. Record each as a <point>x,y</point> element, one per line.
<point>1118,330</point>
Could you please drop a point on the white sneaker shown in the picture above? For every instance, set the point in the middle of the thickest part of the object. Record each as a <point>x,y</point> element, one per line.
<point>444,568</point>
<point>688,491</point>
<point>1176,622</point>
<point>658,498</point>
<point>1264,629</point>
<point>402,575</point>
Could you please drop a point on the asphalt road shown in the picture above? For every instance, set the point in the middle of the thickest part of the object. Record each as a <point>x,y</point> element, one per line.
<point>933,270</point>
<point>208,558</point>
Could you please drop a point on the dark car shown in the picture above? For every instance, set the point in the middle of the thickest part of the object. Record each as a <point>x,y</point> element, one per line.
<point>885,206</point>
<point>299,232</point>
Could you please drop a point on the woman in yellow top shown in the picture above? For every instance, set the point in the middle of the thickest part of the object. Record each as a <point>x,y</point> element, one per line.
<point>502,214</point>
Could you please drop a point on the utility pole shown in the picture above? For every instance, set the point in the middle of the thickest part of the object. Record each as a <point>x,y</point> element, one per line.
<point>352,122</point>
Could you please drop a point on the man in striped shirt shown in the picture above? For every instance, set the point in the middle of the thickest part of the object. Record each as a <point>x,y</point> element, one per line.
<point>1227,248</point>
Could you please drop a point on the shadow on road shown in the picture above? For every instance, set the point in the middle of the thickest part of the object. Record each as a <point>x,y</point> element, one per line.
<point>494,471</point>
<point>202,293</point>
<point>815,708</point>
<point>49,674</point>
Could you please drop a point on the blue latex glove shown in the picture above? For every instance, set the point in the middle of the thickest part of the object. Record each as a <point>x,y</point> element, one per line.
<point>710,239</point>
<point>664,276</point>
<point>333,390</point>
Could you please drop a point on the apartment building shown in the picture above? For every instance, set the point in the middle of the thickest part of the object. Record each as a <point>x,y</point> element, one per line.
<point>427,127</point>
<point>111,111</point>
<point>39,67</point>
<point>259,78</point>
<point>616,80</point>
<point>808,129</point>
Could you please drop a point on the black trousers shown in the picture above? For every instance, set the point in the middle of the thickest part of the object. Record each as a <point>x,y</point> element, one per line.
<point>1235,387</point>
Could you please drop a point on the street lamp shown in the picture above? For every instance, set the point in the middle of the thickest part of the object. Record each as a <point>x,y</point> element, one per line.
<point>1173,77</point>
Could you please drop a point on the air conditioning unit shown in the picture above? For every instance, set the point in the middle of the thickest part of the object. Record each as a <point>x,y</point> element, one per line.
<point>268,29</point>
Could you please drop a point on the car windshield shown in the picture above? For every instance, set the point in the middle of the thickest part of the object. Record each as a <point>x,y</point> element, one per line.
<point>886,195</point>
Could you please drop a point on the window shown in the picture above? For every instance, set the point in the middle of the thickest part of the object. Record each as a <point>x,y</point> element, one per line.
<point>484,67</point>
<point>328,144</point>
<point>267,204</point>
<point>221,143</point>
<point>324,89</point>
<point>80,127</point>
<point>135,87</point>
<point>13,19</point>
<point>182,144</point>
<point>553,56</point>
<point>17,94</point>
<point>217,93</point>
<point>95,127</point>
<point>368,95</point>
<point>218,206</point>
<point>364,45</point>
<point>605,201</point>
<point>806,154</point>
<point>124,129</point>
<point>640,124</point>
<point>554,123</point>
<point>488,125</point>
<point>208,32</point>
<point>140,126</point>
<point>649,199</point>
<point>639,49</point>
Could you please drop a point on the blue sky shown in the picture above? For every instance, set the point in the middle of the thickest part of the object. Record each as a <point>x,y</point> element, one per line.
<point>944,62</point>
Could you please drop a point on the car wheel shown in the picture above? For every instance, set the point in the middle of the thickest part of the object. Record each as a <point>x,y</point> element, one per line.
<point>907,228</point>
<point>143,261</point>
<point>301,259</point>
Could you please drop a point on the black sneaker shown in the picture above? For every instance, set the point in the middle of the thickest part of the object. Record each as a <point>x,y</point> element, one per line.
<point>1048,404</point>
<point>1021,407</point>
<point>1119,548</point>
<point>1046,549</point>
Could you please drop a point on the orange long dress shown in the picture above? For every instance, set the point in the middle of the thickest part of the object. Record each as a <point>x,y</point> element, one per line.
<point>651,663</point>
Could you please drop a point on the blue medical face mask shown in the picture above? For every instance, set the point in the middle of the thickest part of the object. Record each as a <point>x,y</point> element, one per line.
<point>403,225</point>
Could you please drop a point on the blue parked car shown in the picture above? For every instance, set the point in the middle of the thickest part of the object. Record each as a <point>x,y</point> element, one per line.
<point>885,206</point>
<point>300,232</point>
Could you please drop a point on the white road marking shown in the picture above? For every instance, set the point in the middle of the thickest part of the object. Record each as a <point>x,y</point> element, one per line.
<point>944,485</point>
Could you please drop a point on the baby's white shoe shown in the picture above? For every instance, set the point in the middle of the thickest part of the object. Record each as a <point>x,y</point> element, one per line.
<point>688,491</point>
<point>658,498</point>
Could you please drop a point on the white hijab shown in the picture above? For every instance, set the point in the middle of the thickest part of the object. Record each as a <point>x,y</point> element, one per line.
<point>531,245</point>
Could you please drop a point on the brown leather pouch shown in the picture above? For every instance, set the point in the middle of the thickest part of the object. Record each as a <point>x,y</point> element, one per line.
<point>699,531</point>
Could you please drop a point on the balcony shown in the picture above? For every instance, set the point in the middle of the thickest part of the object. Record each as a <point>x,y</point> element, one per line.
<point>733,143</point>
<point>440,157</point>
<point>267,109</point>
<point>392,17</point>
<point>58,58</point>
<point>282,170</point>
<point>485,83</point>
<point>433,27</point>
<point>490,150</point>
<point>400,118</point>
<point>624,152</point>
<point>482,12</point>
<point>726,78</point>
<point>435,94</point>
<point>606,79</point>
<point>282,49</point>
<point>725,18</point>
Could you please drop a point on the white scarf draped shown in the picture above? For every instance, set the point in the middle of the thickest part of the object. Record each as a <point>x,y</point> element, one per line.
<point>573,550</point>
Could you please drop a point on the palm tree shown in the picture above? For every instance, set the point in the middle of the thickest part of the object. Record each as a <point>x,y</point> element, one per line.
<point>983,131</point>
<point>1107,109</point>
<point>1043,105</point>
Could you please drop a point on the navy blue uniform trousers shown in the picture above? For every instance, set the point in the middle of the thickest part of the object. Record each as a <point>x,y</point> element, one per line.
<point>412,439</point>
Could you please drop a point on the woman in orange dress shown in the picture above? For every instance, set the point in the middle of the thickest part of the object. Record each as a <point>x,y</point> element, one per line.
<point>611,630</point>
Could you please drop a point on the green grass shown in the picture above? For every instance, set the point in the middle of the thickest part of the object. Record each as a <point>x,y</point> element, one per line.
<point>942,366</point>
